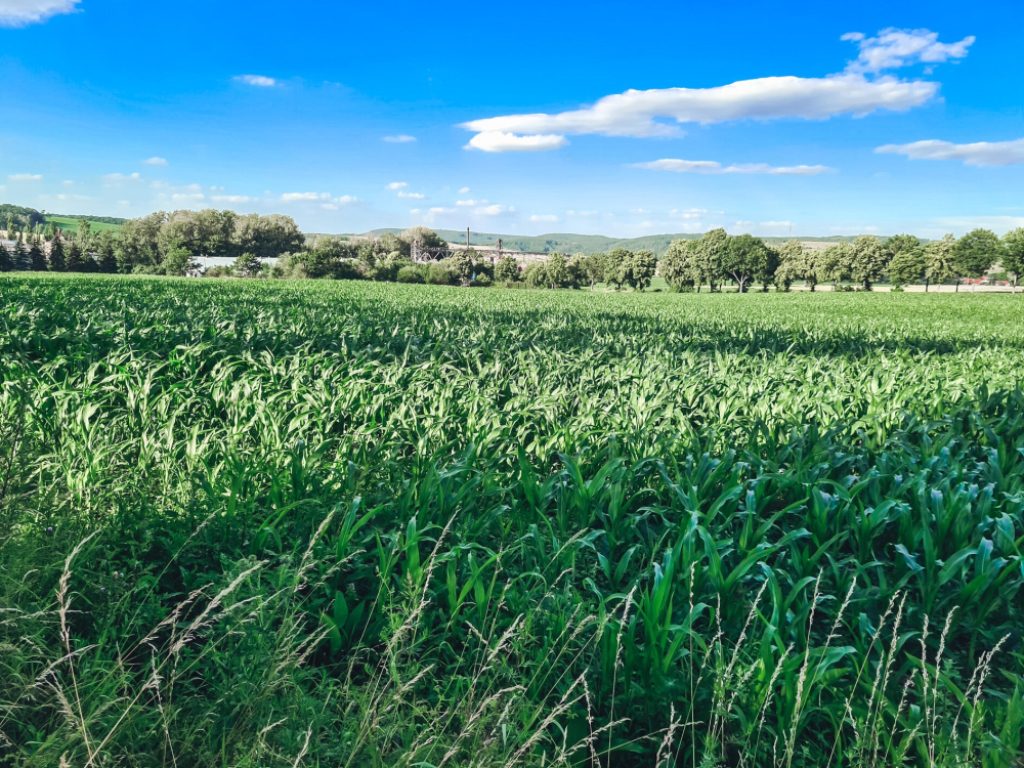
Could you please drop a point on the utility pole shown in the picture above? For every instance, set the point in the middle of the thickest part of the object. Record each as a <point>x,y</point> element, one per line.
<point>467,238</point>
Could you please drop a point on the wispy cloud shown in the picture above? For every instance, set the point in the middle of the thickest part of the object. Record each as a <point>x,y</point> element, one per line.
<point>396,185</point>
<point>21,13</point>
<point>155,161</point>
<point>260,81</point>
<point>401,138</point>
<point>464,191</point>
<point>412,195</point>
<point>494,210</point>
<point>25,177</point>
<point>545,217</point>
<point>230,198</point>
<point>324,198</point>
<point>470,203</point>
<point>894,48</point>
<point>715,168</point>
<point>117,178</point>
<point>981,153</point>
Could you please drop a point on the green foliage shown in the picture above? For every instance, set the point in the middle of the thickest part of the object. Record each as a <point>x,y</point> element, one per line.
<point>75,259</point>
<point>437,274</point>
<point>976,252</point>
<point>427,237</point>
<point>247,265</point>
<point>535,275</point>
<point>177,262</point>
<point>412,273</point>
<point>56,257</point>
<point>506,271</point>
<point>908,266</point>
<point>268,523</point>
<point>1013,254</point>
<point>745,257</point>
<point>869,261</point>
<point>6,262</point>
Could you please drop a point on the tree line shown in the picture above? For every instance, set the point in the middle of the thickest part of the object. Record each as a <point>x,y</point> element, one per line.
<point>170,244</point>
<point>718,258</point>
<point>158,244</point>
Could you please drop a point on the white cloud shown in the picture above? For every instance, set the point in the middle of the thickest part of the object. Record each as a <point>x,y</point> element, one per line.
<point>715,168</point>
<point>442,210</point>
<point>324,198</point>
<point>544,217</point>
<point>981,153</point>
<point>642,113</point>
<point>67,183</point>
<point>412,195</point>
<point>25,177</point>
<point>903,47</point>
<point>155,161</point>
<point>396,185</point>
<point>292,197</point>
<point>689,213</point>
<point>230,198</point>
<point>464,191</point>
<point>470,203</point>
<point>116,178</point>
<point>414,210</point>
<point>21,13</point>
<point>257,80</point>
<point>494,210</point>
<point>187,197</point>
<point>500,141</point>
<point>401,138</point>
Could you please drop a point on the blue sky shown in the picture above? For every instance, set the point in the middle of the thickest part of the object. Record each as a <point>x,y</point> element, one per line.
<point>608,118</point>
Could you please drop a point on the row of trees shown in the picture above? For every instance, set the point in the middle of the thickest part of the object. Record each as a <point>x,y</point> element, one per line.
<point>717,258</point>
<point>34,254</point>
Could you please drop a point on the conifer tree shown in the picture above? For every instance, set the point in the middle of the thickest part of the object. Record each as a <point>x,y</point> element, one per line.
<point>106,260</point>
<point>20,257</point>
<point>6,264</point>
<point>36,258</point>
<point>74,261</point>
<point>57,256</point>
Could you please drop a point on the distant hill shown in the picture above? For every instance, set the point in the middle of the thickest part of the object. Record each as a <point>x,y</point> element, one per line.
<point>570,243</point>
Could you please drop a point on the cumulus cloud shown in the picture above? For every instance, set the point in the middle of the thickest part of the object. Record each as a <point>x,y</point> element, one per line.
<point>643,113</point>
<point>258,80</point>
<point>544,217</point>
<point>895,48</point>
<point>981,153</point>
<point>401,138</point>
<point>500,141</point>
<point>494,210</point>
<point>21,13</point>
<point>187,197</point>
<point>25,177</point>
<point>412,195</point>
<point>470,203</point>
<point>230,198</point>
<point>155,161</point>
<point>396,185</point>
<point>464,191</point>
<point>714,168</point>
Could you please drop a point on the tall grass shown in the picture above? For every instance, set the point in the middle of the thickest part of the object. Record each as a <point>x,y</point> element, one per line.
<point>367,525</point>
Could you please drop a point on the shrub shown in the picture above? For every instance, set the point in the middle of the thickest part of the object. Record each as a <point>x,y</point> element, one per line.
<point>410,274</point>
<point>438,275</point>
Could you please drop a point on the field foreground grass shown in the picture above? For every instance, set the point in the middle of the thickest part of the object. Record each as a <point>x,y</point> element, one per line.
<point>253,523</point>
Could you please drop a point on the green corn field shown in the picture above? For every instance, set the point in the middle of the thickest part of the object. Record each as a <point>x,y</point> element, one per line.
<point>273,523</point>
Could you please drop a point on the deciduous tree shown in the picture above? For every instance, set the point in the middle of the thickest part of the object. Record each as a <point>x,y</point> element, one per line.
<point>1013,254</point>
<point>507,271</point>
<point>870,261</point>
<point>976,252</point>
<point>940,264</point>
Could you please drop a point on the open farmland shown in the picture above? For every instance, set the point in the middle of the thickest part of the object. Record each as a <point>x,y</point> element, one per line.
<point>361,524</point>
